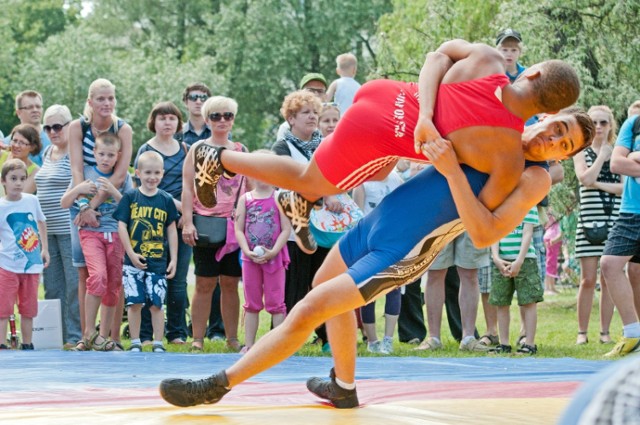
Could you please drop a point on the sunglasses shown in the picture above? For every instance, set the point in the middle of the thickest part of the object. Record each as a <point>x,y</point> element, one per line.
<point>194,97</point>
<point>56,128</point>
<point>217,116</point>
<point>603,123</point>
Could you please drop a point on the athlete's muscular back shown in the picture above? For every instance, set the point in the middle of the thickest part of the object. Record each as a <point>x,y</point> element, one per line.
<point>496,151</point>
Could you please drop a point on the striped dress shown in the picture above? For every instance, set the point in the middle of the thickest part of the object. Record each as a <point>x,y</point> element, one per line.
<point>592,207</point>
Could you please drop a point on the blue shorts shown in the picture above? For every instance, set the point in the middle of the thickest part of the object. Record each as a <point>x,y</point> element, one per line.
<point>77,256</point>
<point>399,240</point>
<point>142,287</point>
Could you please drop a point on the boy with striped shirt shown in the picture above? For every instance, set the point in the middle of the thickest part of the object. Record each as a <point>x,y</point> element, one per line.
<point>515,269</point>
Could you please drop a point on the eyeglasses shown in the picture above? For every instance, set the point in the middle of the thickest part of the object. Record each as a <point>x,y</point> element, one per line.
<point>327,104</point>
<point>30,108</point>
<point>17,142</point>
<point>194,97</point>
<point>315,90</point>
<point>603,123</point>
<point>217,116</point>
<point>56,128</point>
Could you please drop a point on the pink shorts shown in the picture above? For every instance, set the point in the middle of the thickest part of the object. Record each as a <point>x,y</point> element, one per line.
<point>376,129</point>
<point>104,256</point>
<point>21,289</point>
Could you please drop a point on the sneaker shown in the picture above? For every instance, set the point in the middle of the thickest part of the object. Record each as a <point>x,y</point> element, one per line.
<point>375,347</point>
<point>186,392</point>
<point>624,347</point>
<point>473,345</point>
<point>27,347</point>
<point>298,210</point>
<point>135,348</point>
<point>413,341</point>
<point>429,344</point>
<point>387,345</point>
<point>330,390</point>
<point>159,348</point>
<point>208,171</point>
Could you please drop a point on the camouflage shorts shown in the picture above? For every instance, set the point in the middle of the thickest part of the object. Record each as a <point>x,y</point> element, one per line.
<point>526,284</point>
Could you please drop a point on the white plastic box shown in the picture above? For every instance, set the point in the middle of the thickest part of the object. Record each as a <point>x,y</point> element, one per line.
<point>47,326</point>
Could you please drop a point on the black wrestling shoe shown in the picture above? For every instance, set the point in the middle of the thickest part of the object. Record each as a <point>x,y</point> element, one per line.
<point>330,390</point>
<point>186,392</point>
<point>208,170</point>
<point>298,210</point>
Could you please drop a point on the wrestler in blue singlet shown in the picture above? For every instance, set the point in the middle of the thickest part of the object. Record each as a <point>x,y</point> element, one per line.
<point>397,242</point>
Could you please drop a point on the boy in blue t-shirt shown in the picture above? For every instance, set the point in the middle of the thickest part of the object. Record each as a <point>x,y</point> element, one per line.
<point>147,220</point>
<point>515,269</point>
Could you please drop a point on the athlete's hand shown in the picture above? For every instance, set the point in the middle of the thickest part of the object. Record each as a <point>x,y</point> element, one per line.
<point>442,156</point>
<point>424,132</point>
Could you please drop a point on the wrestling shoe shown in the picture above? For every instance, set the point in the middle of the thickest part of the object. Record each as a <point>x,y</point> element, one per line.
<point>624,347</point>
<point>186,392</point>
<point>208,170</point>
<point>298,210</point>
<point>330,390</point>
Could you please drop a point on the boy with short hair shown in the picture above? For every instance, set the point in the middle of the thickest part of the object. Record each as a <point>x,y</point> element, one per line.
<point>102,250</point>
<point>509,43</point>
<point>146,221</point>
<point>516,270</point>
<point>344,88</point>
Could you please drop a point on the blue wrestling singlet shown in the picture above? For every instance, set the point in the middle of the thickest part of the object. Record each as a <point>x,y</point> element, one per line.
<point>398,241</point>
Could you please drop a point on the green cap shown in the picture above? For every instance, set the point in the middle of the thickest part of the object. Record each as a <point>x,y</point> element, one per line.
<point>313,76</point>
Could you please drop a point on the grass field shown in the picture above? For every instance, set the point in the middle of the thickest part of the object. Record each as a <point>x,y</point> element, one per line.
<point>556,335</point>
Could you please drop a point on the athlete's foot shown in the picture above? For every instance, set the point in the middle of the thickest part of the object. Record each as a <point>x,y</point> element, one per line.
<point>330,390</point>
<point>208,170</point>
<point>298,210</point>
<point>186,392</point>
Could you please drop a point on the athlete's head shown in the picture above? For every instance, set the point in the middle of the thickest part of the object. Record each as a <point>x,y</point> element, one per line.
<point>558,136</point>
<point>555,85</point>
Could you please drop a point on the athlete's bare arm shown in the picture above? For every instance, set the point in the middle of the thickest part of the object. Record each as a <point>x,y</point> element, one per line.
<point>486,227</point>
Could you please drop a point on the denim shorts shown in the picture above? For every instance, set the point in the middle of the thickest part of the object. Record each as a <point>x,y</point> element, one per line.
<point>624,236</point>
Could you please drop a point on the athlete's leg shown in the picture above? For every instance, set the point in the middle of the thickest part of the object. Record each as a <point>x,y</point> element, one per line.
<point>329,299</point>
<point>281,171</point>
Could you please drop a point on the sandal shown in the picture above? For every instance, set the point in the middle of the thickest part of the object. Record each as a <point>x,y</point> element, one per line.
<point>500,349</point>
<point>105,345</point>
<point>118,346</point>
<point>521,340</point>
<point>489,340</point>
<point>82,345</point>
<point>197,345</point>
<point>527,349</point>
<point>605,338</point>
<point>582,338</point>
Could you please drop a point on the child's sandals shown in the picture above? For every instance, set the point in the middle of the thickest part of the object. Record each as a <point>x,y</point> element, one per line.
<point>527,349</point>
<point>105,345</point>
<point>500,349</point>
<point>82,345</point>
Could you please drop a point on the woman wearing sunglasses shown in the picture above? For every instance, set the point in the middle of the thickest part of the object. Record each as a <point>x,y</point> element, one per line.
<point>212,263</point>
<point>24,141</point>
<point>60,278</point>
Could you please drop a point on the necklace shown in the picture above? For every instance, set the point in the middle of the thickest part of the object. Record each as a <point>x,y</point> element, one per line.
<point>98,131</point>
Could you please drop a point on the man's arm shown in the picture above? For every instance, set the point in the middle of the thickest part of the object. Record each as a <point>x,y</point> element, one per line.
<point>621,164</point>
<point>486,227</point>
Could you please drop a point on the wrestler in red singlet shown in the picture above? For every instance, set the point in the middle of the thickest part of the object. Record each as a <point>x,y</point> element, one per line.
<point>378,128</point>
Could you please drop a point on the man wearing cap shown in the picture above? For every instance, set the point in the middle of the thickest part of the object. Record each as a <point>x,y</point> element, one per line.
<point>316,84</point>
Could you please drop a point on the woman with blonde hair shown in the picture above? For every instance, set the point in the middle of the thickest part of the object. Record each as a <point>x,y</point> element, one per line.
<point>213,265</point>
<point>600,191</point>
<point>98,117</point>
